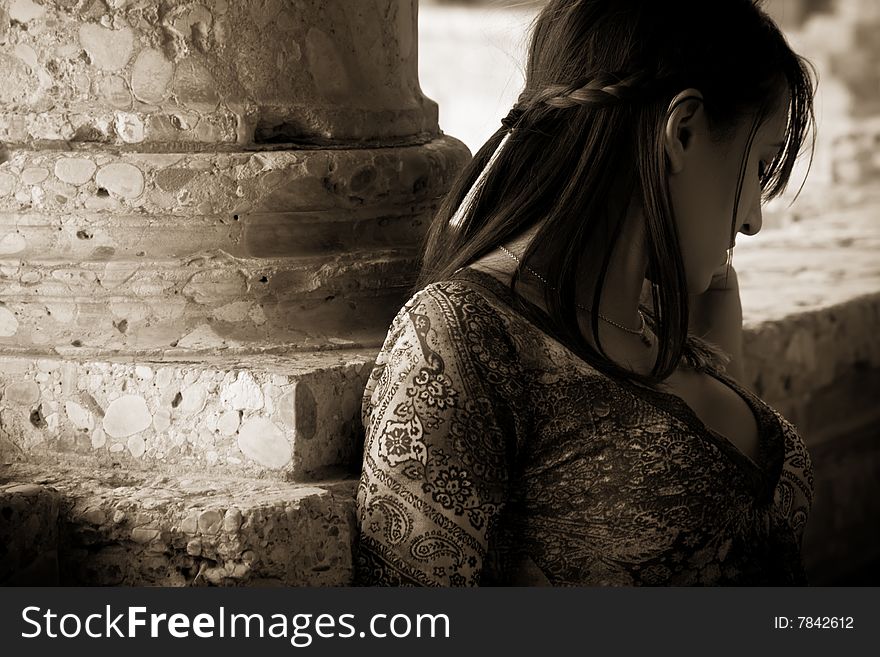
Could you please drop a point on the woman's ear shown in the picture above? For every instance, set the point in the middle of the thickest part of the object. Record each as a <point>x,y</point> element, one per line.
<point>682,118</point>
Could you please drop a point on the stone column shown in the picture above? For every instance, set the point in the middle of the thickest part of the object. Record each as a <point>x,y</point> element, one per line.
<point>209,214</point>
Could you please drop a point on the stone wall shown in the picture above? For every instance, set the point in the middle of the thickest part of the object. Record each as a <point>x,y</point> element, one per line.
<point>209,214</point>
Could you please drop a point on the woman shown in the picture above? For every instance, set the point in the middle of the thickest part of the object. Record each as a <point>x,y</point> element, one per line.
<point>540,413</point>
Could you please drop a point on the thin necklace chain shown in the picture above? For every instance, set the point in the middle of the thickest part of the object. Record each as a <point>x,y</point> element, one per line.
<point>640,331</point>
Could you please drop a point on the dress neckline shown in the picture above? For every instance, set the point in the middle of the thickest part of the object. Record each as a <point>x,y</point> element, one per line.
<point>763,473</point>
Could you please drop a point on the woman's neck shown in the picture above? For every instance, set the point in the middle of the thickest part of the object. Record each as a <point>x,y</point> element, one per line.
<point>620,300</point>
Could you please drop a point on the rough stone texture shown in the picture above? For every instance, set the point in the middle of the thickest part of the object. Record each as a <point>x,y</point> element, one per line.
<point>157,251</point>
<point>212,175</point>
<point>126,416</point>
<point>138,529</point>
<point>189,194</point>
<point>790,360</point>
<point>29,533</point>
<point>269,416</point>
<point>202,72</point>
<point>209,213</point>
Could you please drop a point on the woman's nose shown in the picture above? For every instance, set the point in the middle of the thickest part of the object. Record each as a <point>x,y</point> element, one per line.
<point>754,221</point>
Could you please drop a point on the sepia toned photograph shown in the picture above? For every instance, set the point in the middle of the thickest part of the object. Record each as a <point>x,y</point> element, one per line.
<point>439,293</point>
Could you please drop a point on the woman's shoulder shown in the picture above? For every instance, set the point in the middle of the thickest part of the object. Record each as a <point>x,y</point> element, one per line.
<point>465,310</point>
<point>457,327</point>
<point>447,362</point>
<point>467,294</point>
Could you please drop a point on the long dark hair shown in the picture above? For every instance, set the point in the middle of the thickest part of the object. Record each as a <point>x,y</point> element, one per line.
<point>588,132</point>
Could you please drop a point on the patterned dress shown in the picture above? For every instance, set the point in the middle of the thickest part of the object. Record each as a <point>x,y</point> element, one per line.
<point>494,455</point>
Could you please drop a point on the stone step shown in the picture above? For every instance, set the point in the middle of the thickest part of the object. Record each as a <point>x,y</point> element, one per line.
<point>95,237</point>
<point>279,417</point>
<point>91,182</point>
<point>212,300</point>
<point>206,276</point>
<point>142,529</point>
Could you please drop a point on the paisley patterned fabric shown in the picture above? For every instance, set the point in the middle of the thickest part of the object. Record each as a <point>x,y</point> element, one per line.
<point>494,455</point>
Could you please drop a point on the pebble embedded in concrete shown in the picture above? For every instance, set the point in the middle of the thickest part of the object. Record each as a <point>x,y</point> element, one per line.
<point>194,399</point>
<point>94,516</point>
<point>18,83</point>
<point>210,521</point>
<point>8,323</point>
<point>22,392</point>
<point>150,76</point>
<point>190,524</point>
<point>127,415</point>
<point>99,438</point>
<point>164,377</point>
<point>228,423</point>
<point>121,178</point>
<point>237,311</point>
<point>81,417</point>
<point>136,445</point>
<point>144,535</point>
<point>232,521</point>
<point>242,394</point>
<point>173,179</point>
<point>286,408</point>
<point>12,243</point>
<point>202,337</point>
<point>108,49</point>
<point>194,86</point>
<point>129,127</point>
<point>143,372</point>
<point>162,420</point>
<point>263,441</point>
<point>75,170</point>
<point>114,90</point>
<point>24,11</point>
<point>34,175</point>
<point>7,184</point>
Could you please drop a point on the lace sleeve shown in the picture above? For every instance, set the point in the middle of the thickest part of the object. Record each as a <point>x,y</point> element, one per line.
<point>436,454</point>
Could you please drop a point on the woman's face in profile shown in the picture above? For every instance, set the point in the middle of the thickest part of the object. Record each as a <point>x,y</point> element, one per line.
<point>703,183</point>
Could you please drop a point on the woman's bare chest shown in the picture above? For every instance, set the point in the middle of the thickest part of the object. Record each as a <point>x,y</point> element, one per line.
<point>718,406</point>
